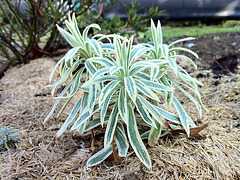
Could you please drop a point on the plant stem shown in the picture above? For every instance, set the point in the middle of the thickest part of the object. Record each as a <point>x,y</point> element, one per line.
<point>117,158</point>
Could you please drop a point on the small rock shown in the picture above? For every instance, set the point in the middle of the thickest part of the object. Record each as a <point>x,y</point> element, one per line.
<point>236,124</point>
<point>216,83</point>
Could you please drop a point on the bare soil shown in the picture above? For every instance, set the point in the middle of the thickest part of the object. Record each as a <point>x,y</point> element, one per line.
<point>212,47</point>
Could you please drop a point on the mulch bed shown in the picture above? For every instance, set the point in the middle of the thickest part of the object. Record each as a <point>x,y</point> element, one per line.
<point>25,102</point>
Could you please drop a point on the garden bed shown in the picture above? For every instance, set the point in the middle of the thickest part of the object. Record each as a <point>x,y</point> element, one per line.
<point>25,102</point>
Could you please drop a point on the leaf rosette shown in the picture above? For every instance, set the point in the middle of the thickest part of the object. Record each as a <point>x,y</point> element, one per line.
<point>124,87</point>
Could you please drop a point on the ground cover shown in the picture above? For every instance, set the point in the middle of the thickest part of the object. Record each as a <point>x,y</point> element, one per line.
<point>25,102</point>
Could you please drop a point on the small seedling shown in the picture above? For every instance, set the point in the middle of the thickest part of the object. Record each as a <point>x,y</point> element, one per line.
<point>8,138</point>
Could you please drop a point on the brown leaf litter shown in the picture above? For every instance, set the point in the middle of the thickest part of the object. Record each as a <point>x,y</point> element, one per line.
<point>38,156</point>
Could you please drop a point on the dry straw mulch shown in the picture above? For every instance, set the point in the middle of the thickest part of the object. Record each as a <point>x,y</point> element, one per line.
<point>37,156</point>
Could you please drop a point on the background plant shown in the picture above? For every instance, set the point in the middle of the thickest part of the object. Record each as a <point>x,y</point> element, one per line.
<point>124,87</point>
<point>135,23</point>
<point>27,22</point>
<point>8,138</point>
<point>28,28</point>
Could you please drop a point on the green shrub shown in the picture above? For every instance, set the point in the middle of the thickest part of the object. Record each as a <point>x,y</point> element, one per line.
<point>135,23</point>
<point>124,86</point>
<point>29,30</point>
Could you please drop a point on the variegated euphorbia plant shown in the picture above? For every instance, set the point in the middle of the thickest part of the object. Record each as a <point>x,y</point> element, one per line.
<point>123,89</point>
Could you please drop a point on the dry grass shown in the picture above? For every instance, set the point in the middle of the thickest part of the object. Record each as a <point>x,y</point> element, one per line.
<point>39,157</point>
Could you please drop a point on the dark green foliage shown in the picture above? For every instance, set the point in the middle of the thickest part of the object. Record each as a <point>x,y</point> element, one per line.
<point>8,138</point>
<point>28,27</point>
<point>22,28</point>
<point>134,24</point>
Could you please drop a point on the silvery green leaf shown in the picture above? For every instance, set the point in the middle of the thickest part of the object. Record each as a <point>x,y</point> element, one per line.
<point>117,47</point>
<point>96,46</point>
<point>143,64</point>
<point>145,135</point>
<point>90,67</point>
<point>181,40</point>
<point>150,108</point>
<point>58,100</point>
<point>161,73</point>
<point>106,90</point>
<point>104,108</point>
<point>159,32</point>
<point>142,75</point>
<point>135,139</point>
<point>99,157</point>
<point>187,77</point>
<point>189,86</point>
<point>69,38</point>
<point>137,52</point>
<point>62,80</point>
<point>95,123</point>
<point>165,51</point>
<point>85,31</point>
<point>161,62</point>
<point>105,97</point>
<point>155,133</point>
<point>73,27</point>
<point>122,103</point>
<point>101,37</point>
<point>84,100</point>
<point>153,54</point>
<point>129,49</point>
<point>134,52</point>
<point>81,128</point>
<point>123,59</point>
<point>173,65</point>
<point>107,46</point>
<point>182,115</point>
<point>142,109</point>
<point>69,63</point>
<point>154,34</point>
<point>103,61</point>
<point>111,126</point>
<point>74,22</point>
<point>74,32</point>
<point>70,118</point>
<point>154,73</point>
<point>106,78</point>
<point>187,58</point>
<point>136,70</point>
<point>83,117</point>
<point>169,116</point>
<point>64,107</point>
<point>62,68</point>
<point>183,49</point>
<point>121,141</point>
<point>55,67</point>
<point>98,74</point>
<point>85,52</point>
<point>191,122</point>
<point>168,95</point>
<point>190,97</point>
<point>156,85</point>
<point>114,69</point>
<point>76,84</point>
<point>146,90</point>
<point>131,88</point>
<point>92,96</point>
